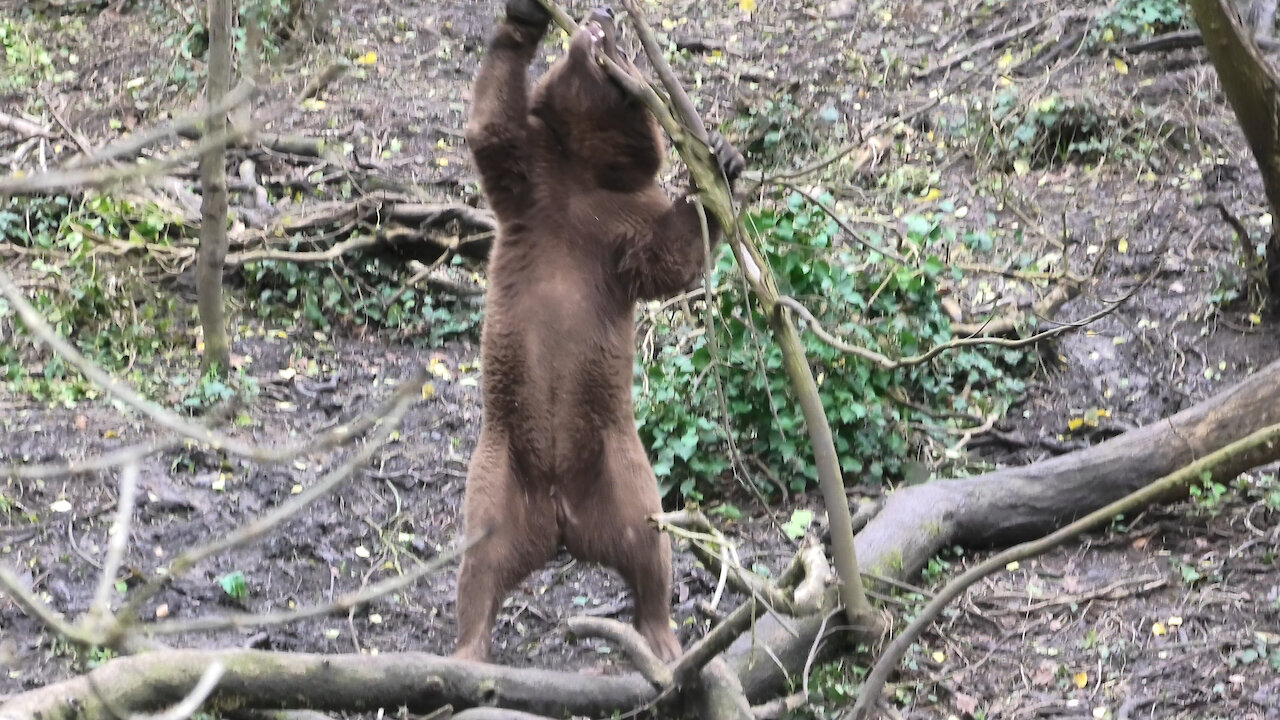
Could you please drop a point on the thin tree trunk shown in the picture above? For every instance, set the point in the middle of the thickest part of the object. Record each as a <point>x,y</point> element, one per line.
<point>1253,89</point>
<point>1262,19</point>
<point>213,206</point>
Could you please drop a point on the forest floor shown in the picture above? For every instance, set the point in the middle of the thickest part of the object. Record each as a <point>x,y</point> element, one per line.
<point>1051,147</point>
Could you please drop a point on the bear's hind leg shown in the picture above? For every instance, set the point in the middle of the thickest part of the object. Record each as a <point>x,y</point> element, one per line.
<point>522,536</point>
<point>608,524</point>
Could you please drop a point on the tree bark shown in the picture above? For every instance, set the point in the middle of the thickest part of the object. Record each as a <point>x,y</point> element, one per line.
<point>213,205</point>
<point>1016,504</point>
<point>1253,89</point>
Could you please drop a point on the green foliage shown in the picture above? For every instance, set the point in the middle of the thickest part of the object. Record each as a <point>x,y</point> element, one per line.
<point>799,523</point>
<point>1018,131</point>
<point>1051,130</point>
<point>210,390</point>
<point>365,291</point>
<point>103,304</point>
<point>777,130</point>
<point>234,585</point>
<point>833,687</point>
<point>870,302</point>
<point>23,61</point>
<point>1142,18</point>
<point>1208,494</point>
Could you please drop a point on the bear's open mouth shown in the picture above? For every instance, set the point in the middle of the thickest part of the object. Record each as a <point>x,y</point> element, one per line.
<point>595,31</point>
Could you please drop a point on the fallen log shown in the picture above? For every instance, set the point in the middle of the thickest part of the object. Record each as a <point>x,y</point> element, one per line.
<point>1011,505</point>
<point>333,683</point>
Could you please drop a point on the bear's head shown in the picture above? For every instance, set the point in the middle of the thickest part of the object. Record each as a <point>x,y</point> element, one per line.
<point>596,122</point>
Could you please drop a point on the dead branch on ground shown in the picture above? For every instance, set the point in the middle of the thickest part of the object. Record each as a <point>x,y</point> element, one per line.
<point>1264,439</point>
<point>334,683</point>
<point>1016,504</point>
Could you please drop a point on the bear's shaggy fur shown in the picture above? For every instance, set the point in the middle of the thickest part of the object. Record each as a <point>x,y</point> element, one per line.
<point>584,233</point>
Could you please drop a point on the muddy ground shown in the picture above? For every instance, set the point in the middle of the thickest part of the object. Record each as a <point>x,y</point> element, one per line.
<point>1173,614</point>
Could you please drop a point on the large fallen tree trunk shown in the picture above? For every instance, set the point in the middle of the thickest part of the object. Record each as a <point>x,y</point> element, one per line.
<point>1015,504</point>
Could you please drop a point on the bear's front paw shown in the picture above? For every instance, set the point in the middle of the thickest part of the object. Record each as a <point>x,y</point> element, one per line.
<point>731,161</point>
<point>528,12</point>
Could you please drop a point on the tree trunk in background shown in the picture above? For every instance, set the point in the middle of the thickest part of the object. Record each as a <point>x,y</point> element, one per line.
<point>1262,19</point>
<point>1252,88</point>
<point>213,206</point>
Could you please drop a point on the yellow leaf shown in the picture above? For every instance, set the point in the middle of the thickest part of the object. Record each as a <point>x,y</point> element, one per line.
<point>1075,423</point>
<point>1157,628</point>
<point>939,656</point>
<point>930,196</point>
<point>1080,679</point>
<point>1123,245</point>
<point>428,391</point>
<point>747,6</point>
<point>1108,36</point>
<point>439,369</point>
<point>1005,60</point>
<point>1121,67</point>
<point>442,161</point>
<point>1254,319</point>
<point>368,58</point>
<point>1011,566</point>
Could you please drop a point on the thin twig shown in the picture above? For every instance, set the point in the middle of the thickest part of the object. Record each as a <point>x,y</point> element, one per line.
<point>32,319</point>
<point>891,364</point>
<point>405,397</point>
<point>133,144</point>
<point>117,541</point>
<point>345,602</point>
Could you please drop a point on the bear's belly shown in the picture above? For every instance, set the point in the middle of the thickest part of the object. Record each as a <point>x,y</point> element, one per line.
<point>557,380</point>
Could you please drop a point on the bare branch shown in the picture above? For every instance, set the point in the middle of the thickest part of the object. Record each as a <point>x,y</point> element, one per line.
<point>890,364</point>
<point>115,458</point>
<point>631,642</point>
<point>195,699</point>
<point>346,602</point>
<point>117,541</point>
<point>331,253</point>
<point>132,145</point>
<point>23,127</point>
<point>341,682</point>
<point>36,608</point>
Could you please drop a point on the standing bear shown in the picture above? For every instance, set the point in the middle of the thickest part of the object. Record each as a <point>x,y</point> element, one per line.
<point>584,233</point>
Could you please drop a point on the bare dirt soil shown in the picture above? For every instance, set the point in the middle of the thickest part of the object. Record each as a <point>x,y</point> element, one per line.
<point>1173,614</point>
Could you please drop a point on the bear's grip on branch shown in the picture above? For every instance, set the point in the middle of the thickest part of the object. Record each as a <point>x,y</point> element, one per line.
<point>584,232</point>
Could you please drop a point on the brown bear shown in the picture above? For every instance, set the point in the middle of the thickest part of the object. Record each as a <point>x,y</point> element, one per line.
<point>584,232</point>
